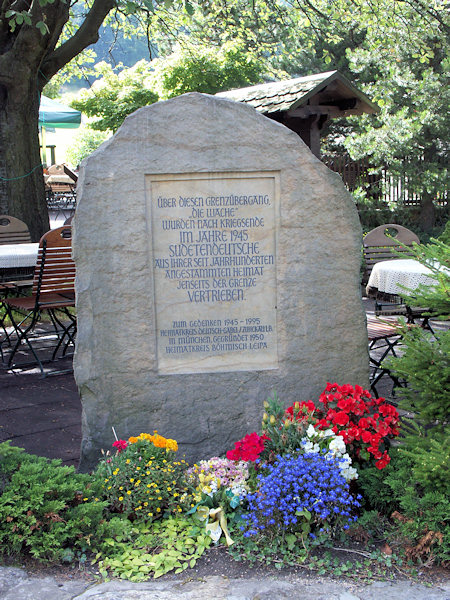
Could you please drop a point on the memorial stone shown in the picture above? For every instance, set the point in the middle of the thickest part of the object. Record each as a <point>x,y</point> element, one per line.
<point>217,262</point>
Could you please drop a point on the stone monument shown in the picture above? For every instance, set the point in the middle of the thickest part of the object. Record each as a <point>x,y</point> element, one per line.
<point>217,262</point>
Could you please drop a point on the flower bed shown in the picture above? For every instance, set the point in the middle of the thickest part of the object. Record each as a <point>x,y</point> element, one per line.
<point>279,495</point>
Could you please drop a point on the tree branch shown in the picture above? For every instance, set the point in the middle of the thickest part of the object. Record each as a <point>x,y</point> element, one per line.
<point>30,46</point>
<point>420,8</point>
<point>86,35</point>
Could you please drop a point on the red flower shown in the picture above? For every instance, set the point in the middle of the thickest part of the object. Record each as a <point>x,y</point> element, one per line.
<point>363,421</point>
<point>383,462</point>
<point>341,418</point>
<point>302,409</point>
<point>120,445</point>
<point>249,448</point>
<point>366,436</point>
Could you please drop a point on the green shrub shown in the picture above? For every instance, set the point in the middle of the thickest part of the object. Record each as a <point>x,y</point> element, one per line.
<point>44,507</point>
<point>425,366</point>
<point>413,490</point>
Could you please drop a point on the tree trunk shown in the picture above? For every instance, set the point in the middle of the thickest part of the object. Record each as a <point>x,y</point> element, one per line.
<point>22,192</point>
<point>427,213</point>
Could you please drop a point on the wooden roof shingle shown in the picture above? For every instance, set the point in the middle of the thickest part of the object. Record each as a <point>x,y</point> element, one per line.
<point>290,94</point>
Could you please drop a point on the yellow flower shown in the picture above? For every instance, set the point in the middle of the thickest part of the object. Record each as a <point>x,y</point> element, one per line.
<point>120,498</point>
<point>128,461</point>
<point>132,440</point>
<point>158,509</point>
<point>128,492</point>
<point>131,480</point>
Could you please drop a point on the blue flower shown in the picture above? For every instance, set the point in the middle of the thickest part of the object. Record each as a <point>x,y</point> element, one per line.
<point>293,484</point>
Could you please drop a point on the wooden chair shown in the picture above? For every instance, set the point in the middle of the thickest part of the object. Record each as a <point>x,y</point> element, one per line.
<point>53,293</point>
<point>377,246</point>
<point>13,231</point>
<point>384,243</point>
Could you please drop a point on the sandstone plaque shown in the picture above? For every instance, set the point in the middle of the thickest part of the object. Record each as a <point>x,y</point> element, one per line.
<point>214,259</point>
<point>217,262</point>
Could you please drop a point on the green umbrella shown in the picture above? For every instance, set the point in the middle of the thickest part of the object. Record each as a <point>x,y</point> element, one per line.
<point>55,115</point>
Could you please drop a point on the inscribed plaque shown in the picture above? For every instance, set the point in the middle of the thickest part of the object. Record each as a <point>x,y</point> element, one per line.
<point>214,265</point>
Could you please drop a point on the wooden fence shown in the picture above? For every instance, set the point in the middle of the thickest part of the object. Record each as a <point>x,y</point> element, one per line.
<point>383,186</point>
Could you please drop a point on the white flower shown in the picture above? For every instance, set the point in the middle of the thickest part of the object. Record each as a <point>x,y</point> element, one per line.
<point>307,445</point>
<point>311,431</point>
<point>337,445</point>
<point>349,473</point>
<point>327,433</point>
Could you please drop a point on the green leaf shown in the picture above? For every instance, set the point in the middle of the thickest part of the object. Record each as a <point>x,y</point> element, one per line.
<point>188,7</point>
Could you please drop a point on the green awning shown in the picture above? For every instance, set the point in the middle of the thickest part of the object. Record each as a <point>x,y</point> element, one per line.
<point>53,114</point>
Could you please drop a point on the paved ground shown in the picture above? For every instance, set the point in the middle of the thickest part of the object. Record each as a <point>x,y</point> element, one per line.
<point>15,584</point>
<point>41,415</point>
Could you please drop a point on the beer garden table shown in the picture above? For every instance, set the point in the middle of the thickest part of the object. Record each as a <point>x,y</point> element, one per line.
<point>17,260</point>
<point>389,276</point>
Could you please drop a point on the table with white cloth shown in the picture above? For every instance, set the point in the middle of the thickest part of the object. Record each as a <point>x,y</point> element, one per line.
<point>17,260</point>
<point>389,275</point>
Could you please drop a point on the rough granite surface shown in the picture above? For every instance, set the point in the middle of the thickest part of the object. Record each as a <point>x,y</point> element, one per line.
<point>320,318</point>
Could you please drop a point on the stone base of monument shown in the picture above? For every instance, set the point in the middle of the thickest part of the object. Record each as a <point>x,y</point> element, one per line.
<point>217,262</point>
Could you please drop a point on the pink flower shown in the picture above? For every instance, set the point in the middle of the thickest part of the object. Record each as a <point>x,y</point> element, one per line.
<point>120,445</point>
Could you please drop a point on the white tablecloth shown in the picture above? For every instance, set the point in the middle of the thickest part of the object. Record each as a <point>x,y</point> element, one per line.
<point>388,275</point>
<point>13,256</point>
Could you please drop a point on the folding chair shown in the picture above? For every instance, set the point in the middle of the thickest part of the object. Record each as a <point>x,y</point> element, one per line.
<point>383,339</point>
<point>53,293</point>
<point>14,281</point>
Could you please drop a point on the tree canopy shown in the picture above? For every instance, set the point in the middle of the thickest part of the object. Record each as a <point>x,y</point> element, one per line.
<point>119,92</point>
<point>396,51</point>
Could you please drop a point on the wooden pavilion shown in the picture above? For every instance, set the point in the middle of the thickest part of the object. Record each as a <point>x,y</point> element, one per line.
<point>305,104</point>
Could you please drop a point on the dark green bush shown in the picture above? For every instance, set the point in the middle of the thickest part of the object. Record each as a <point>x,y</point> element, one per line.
<point>413,491</point>
<point>44,507</point>
<point>425,366</point>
